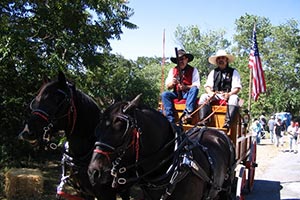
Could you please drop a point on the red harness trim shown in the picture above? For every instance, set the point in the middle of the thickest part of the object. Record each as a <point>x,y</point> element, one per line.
<point>136,138</point>
<point>41,115</point>
<point>103,153</point>
<point>74,115</point>
<point>68,196</point>
<point>135,143</point>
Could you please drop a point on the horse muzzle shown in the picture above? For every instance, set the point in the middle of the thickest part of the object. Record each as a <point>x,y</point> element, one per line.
<point>27,136</point>
<point>98,176</point>
<point>98,172</point>
<point>94,176</point>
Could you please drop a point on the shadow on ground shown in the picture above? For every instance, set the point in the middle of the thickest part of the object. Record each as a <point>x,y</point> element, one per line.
<point>264,189</point>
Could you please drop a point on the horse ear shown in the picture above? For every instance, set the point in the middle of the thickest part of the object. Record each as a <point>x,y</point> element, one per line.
<point>132,104</point>
<point>62,77</point>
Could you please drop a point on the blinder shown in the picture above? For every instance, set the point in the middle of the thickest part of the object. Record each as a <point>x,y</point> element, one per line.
<point>130,125</point>
<point>35,106</point>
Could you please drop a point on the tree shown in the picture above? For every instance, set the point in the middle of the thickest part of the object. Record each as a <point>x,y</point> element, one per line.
<point>201,44</point>
<point>279,52</point>
<point>41,37</point>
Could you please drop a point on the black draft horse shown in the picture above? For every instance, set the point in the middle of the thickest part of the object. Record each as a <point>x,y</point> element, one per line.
<point>137,145</point>
<point>60,108</point>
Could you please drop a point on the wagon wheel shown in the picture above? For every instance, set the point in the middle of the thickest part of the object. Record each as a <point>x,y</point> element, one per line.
<point>251,164</point>
<point>241,183</point>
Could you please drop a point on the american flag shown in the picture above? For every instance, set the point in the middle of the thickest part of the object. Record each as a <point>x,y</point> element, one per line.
<point>258,78</point>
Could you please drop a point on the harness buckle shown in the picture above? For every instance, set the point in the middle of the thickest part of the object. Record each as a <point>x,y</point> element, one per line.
<point>113,172</point>
<point>46,136</point>
<point>122,181</point>
<point>53,146</point>
<point>122,170</point>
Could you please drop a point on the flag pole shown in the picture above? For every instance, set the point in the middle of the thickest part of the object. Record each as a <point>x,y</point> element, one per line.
<point>250,90</point>
<point>163,65</point>
<point>162,87</point>
<point>251,79</point>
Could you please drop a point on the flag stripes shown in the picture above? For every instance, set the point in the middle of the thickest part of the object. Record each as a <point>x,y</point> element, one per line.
<point>258,78</point>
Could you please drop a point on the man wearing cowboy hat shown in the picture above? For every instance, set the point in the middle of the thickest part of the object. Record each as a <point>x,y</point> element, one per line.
<point>189,85</point>
<point>223,83</point>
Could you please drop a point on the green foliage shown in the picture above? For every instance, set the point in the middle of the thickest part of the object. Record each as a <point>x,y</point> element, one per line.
<point>279,52</point>
<point>201,45</point>
<point>41,37</point>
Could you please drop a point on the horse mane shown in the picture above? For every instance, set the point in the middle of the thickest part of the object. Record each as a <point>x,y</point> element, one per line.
<point>139,107</point>
<point>83,98</point>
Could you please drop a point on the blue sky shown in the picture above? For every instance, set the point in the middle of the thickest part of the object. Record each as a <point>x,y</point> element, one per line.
<point>153,17</point>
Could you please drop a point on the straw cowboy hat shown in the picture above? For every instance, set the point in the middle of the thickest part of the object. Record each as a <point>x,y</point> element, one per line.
<point>212,59</point>
<point>181,53</point>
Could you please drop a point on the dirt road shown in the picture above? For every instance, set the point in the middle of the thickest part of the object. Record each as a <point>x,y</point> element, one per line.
<point>278,173</point>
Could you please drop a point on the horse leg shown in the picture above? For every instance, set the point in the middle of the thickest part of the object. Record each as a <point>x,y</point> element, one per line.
<point>136,192</point>
<point>227,185</point>
<point>125,194</point>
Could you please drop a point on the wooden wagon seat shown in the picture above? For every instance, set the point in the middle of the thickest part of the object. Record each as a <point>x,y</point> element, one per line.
<point>180,104</point>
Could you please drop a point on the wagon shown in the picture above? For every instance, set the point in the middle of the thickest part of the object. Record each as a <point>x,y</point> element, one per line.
<point>245,145</point>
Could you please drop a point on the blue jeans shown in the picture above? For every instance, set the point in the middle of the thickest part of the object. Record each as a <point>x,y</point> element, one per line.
<point>272,135</point>
<point>293,142</point>
<point>167,98</point>
<point>258,137</point>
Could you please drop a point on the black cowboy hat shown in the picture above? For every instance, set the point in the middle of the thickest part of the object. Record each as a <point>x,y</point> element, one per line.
<point>181,53</point>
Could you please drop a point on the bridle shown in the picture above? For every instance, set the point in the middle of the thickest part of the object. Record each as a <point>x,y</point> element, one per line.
<point>52,119</point>
<point>131,136</point>
<point>131,140</point>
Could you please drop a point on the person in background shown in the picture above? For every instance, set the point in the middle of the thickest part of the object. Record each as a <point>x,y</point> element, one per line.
<point>298,138</point>
<point>283,126</point>
<point>292,131</point>
<point>271,124</point>
<point>187,85</point>
<point>263,121</point>
<point>223,83</point>
<point>256,130</point>
<point>277,131</point>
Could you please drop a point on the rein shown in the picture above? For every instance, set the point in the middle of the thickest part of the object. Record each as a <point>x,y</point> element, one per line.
<point>213,112</point>
<point>201,106</point>
<point>206,102</point>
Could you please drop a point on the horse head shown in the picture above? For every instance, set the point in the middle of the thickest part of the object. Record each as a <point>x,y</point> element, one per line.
<point>128,135</point>
<point>114,136</point>
<point>50,111</point>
